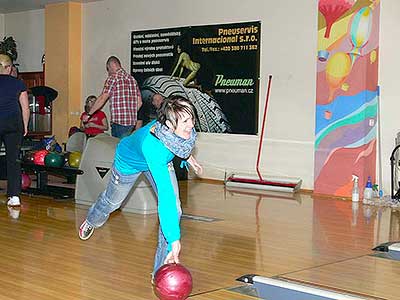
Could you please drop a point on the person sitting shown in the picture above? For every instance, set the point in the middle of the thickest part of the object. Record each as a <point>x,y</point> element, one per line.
<point>97,123</point>
<point>148,111</point>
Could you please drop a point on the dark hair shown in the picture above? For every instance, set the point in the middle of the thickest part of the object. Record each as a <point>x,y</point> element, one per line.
<point>87,100</point>
<point>113,59</point>
<point>172,109</point>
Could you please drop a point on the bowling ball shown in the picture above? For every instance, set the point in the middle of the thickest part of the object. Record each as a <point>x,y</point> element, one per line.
<point>38,157</point>
<point>29,156</point>
<point>25,181</point>
<point>54,160</point>
<point>74,159</point>
<point>173,282</point>
<point>66,158</point>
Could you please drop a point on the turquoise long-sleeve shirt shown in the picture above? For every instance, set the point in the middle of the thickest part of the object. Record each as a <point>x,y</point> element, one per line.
<point>142,151</point>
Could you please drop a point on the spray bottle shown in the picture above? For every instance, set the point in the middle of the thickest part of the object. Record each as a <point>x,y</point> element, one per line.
<point>368,191</point>
<point>355,194</point>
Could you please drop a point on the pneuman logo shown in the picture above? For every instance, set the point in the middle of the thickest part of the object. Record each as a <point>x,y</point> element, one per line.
<point>221,81</point>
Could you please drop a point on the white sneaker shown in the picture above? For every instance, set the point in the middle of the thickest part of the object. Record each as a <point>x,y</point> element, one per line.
<point>85,231</point>
<point>13,212</point>
<point>14,201</point>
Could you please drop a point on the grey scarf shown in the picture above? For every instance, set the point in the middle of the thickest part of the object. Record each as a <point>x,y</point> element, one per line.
<point>177,145</point>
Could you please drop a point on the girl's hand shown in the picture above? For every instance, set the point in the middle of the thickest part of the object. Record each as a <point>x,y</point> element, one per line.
<point>198,169</point>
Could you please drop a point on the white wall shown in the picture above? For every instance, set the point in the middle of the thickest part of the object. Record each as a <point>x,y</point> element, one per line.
<point>1,26</point>
<point>288,53</point>
<point>27,28</point>
<point>389,67</point>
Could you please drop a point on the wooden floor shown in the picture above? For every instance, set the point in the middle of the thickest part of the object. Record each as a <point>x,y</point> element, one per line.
<point>321,241</point>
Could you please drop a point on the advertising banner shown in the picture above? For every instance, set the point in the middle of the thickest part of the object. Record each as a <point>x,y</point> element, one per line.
<point>214,66</point>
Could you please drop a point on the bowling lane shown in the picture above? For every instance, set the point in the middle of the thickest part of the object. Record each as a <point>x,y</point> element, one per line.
<point>222,295</point>
<point>366,275</point>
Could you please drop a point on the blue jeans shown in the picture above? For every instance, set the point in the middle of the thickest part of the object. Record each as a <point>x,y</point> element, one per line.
<point>121,131</point>
<point>116,191</point>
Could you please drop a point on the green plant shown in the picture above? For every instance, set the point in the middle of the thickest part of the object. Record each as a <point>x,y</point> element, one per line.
<point>9,47</point>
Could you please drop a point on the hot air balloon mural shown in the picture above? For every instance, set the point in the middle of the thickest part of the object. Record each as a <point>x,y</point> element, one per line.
<point>332,10</point>
<point>347,95</point>
<point>360,31</point>
<point>372,56</point>
<point>336,72</point>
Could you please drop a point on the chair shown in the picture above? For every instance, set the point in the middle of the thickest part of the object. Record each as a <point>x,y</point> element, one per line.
<point>76,142</point>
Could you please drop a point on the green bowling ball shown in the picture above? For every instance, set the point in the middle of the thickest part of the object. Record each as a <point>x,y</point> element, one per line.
<point>54,160</point>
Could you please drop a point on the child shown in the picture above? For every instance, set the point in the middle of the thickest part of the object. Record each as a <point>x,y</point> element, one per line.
<point>150,150</point>
<point>97,123</point>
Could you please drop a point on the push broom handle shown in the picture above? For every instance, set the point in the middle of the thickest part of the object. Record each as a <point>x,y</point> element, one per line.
<point>262,128</point>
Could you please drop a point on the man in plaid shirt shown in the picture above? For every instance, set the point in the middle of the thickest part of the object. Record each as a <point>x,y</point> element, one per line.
<point>125,99</point>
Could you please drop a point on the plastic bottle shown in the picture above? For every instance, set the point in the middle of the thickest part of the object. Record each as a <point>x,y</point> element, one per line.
<point>355,194</point>
<point>354,209</point>
<point>368,191</point>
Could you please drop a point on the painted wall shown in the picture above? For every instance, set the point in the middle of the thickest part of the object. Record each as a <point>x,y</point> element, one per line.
<point>27,28</point>
<point>347,95</point>
<point>287,52</point>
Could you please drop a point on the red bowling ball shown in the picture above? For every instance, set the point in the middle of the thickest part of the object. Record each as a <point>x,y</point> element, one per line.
<point>38,157</point>
<point>26,181</point>
<point>173,282</point>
